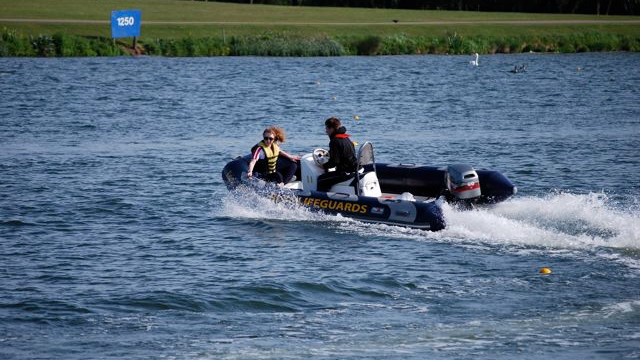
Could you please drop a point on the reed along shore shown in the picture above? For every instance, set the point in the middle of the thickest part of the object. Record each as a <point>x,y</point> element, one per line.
<point>197,28</point>
<point>14,43</point>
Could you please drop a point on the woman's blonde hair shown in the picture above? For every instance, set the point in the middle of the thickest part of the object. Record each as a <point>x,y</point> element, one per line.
<point>278,133</point>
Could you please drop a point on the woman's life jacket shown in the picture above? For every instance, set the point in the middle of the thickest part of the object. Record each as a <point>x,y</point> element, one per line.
<point>271,157</point>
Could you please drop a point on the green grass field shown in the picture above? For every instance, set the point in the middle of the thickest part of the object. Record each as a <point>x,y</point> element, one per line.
<point>173,10</point>
<point>171,20</point>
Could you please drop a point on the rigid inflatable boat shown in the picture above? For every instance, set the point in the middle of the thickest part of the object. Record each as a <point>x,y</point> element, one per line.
<point>403,194</point>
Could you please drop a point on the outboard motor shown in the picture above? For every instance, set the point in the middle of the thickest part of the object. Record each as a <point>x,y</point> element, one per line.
<point>463,182</point>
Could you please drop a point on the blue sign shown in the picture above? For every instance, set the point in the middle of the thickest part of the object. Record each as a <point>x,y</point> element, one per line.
<point>125,23</point>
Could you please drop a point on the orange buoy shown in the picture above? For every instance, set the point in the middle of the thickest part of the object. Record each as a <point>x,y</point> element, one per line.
<point>545,270</point>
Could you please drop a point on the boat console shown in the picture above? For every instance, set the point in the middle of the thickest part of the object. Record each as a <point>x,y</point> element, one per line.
<point>311,168</point>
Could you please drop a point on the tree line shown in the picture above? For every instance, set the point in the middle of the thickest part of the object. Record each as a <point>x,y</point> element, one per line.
<point>599,7</point>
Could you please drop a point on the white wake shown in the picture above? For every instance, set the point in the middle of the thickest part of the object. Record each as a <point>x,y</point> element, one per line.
<point>557,221</point>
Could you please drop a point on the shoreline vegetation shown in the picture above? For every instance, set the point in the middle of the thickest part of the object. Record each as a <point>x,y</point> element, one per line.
<point>14,44</point>
<point>38,28</point>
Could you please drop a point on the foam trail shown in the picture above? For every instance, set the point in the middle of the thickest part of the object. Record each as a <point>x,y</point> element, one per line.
<point>246,203</point>
<point>621,308</point>
<point>558,221</point>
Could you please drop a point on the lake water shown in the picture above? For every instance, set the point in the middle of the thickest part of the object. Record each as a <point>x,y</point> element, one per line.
<point>119,240</point>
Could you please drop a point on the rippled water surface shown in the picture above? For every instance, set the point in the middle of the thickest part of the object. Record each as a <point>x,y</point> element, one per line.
<point>119,240</point>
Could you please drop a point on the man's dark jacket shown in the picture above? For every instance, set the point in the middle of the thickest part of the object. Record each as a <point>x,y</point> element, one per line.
<point>342,153</point>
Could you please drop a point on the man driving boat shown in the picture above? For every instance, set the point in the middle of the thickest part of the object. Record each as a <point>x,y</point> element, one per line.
<point>342,156</point>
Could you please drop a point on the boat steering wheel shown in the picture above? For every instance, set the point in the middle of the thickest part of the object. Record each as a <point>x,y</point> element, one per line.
<point>320,156</point>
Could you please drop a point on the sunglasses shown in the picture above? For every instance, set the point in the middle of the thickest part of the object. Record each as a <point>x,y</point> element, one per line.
<point>268,138</point>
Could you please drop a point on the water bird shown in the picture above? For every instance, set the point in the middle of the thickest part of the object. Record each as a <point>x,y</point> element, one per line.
<point>519,69</point>
<point>475,61</point>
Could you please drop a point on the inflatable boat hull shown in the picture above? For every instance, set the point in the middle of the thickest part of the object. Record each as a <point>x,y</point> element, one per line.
<point>422,215</point>
<point>430,181</point>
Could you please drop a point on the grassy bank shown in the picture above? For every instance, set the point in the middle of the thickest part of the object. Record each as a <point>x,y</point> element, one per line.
<point>282,44</point>
<point>193,28</point>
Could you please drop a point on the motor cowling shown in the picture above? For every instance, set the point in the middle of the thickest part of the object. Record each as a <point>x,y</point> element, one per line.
<point>463,181</point>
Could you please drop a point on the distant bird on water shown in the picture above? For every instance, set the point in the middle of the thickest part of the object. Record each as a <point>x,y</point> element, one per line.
<point>474,62</point>
<point>519,69</point>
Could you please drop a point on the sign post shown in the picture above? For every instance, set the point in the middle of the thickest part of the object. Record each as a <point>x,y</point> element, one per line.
<point>126,23</point>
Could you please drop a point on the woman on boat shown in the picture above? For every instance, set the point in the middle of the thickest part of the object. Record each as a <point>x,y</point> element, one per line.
<point>270,162</point>
<point>342,156</point>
